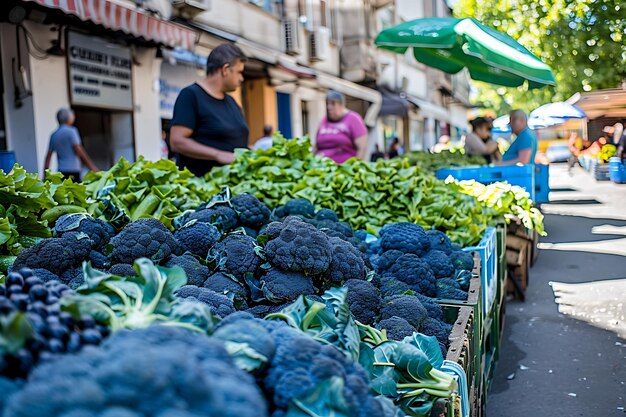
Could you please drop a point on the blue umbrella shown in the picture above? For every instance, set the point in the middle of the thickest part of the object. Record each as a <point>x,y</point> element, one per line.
<point>501,125</point>
<point>558,110</point>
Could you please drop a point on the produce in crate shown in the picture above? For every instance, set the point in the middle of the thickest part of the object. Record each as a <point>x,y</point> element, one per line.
<point>241,272</point>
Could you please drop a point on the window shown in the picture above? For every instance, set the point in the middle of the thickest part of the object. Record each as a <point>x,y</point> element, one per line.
<point>416,135</point>
<point>269,6</point>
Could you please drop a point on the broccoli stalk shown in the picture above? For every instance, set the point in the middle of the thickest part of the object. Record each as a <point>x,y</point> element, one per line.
<point>440,384</point>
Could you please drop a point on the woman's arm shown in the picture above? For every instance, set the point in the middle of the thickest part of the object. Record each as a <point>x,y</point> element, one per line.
<point>361,147</point>
<point>182,143</point>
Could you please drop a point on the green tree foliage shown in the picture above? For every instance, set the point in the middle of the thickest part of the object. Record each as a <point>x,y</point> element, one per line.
<point>584,42</point>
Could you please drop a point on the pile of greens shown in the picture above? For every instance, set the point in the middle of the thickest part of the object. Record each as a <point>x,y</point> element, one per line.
<point>503,199</point>
<point>145,189</point>
<point>28,205</point>
<point>431,162</point>
<point>367,195</point>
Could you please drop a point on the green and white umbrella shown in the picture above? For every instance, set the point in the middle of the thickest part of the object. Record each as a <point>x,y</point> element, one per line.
<point>451,44</point>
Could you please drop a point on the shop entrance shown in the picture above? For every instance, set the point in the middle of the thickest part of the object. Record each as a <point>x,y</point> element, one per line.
<point>107,135</point>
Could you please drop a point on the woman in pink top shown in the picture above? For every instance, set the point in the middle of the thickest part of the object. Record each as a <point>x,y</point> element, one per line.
<point>342,134</point>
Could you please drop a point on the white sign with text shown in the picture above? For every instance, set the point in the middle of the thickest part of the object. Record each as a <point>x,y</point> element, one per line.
<point>100,73</point>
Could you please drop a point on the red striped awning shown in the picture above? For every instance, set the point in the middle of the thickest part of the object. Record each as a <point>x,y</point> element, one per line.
<point>131,21</point>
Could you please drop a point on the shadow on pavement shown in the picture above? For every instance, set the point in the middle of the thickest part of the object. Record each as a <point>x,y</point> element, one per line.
<point>572,202</point>
<point>508,365</point>
<point>565,229</point>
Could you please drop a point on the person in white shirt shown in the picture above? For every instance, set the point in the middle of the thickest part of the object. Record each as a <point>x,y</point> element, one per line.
<point>266,141</point>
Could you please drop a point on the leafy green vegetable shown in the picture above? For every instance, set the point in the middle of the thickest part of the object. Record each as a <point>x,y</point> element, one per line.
<point>431,162</point>
<point>145,189</point>
<point>136,302</point>
<point>367,195</point>
<point>15,330</point>
<point>504,200</point>
<point>28,205</point>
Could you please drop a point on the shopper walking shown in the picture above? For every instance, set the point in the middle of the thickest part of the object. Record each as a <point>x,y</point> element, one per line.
<point>208,125</point>
<point>65,141</point>
<point>524,148</point>
<point>479,141</point>
<point>342,133</point>
<point>266,141</point>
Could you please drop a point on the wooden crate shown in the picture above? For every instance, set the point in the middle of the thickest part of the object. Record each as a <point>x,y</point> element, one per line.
<point>518,259</point>
<point>463,350</point>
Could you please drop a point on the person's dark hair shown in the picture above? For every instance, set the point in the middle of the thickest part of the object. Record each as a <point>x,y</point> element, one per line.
<point>225,53</point>
<point>267,130</point>
<point>63,115</point>
<point>479,122</point>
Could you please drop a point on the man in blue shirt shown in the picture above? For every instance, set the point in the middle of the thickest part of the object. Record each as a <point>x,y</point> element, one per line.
<point>524,147</point>
<point>65,141</point>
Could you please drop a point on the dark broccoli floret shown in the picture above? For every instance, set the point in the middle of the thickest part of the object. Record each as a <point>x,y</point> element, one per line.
<point>389,286</point>
<point>386,260</point>
<point>300,364</point>
<point>297,246</point>
<point>143,238</point>
<point>99,260</point>
<point>237,255</point>
<point>56,254</point>
<point>363,299</point>
<point>280,286</point>
<point>415,272</point>
<point>434,309</point>
<point>342,228</point>
<point>397,328</point>
<point>195,271</point>
<point>158,371</point>
<point>448,282</point>
<point>221,216</point>
<point>260,310</point>
<point>123,270</point>
<point>405,237</point>
<point>197,237</point>
<point>407,307</point>
<point>299,207</point>
<point>236,316</point>
<point>73,278</point>
<point>252,212</point>
<point>223,284</point>
<point>456,247</point>
<point>326,214</point>
<point>436,328</point>
<point>439,241</point>
<point>346,262</point>
<point>439,263</point>
<point>7,387</point>
<point>449,292</point>
<point>219,304</point>
<point>462,260</point>
<point>99,231</point>
<point>45,275</point>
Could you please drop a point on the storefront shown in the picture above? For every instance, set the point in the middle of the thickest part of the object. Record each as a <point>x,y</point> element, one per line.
<point>103,64</point>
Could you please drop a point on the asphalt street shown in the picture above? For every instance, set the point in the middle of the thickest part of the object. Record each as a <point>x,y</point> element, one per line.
<point>566,357</point>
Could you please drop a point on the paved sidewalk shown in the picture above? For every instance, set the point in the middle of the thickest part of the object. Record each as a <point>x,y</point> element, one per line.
<point>553,364</point>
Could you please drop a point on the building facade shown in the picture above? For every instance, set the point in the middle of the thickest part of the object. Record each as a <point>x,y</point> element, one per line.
<point>121,63</point>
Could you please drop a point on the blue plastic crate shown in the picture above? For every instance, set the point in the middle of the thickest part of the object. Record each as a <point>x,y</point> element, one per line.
<point>487,250</point>
<point>542,183</point>
<point>617,170</point>
<point>521,175</point>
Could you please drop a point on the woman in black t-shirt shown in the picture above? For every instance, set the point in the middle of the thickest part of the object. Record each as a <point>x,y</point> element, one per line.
<point>208,125</point>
